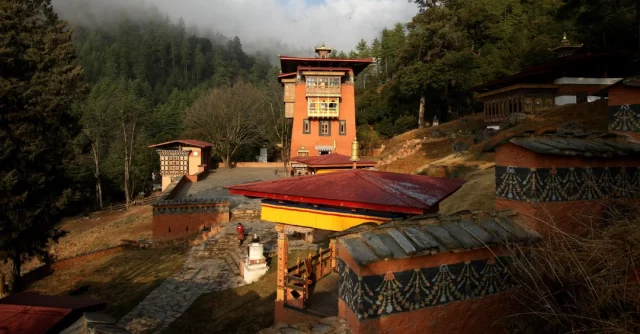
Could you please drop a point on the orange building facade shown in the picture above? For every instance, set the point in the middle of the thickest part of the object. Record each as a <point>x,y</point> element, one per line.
<point>319,95</point>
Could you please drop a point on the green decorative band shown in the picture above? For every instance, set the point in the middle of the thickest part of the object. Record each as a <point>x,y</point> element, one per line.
<point>566,184</point>
<point>624,118</point>
<point>396,292</point>
<point>189,209</point>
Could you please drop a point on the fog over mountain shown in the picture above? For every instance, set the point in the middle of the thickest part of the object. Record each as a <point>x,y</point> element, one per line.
<point>286,27</point>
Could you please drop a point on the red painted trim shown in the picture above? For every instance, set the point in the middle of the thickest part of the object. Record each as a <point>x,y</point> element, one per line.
<point>339,165</point>
<point>284,75</point>
<point>328,69</point>
<point>330,60</point>
<point>344,204</point>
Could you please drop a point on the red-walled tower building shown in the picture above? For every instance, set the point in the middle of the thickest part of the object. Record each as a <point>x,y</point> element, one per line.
<point>319,95</point>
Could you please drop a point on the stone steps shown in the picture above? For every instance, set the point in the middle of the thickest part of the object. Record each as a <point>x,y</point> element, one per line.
<point>233,261</point>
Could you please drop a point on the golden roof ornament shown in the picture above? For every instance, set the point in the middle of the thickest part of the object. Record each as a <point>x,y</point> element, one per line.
<point>564,41</point>
<point>334,144</point>
<point>355,148</point>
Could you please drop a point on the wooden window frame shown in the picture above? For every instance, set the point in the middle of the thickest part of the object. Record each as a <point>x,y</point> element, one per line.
<point>306,126</point>
<point>342,128</point>
<point>328,134</point>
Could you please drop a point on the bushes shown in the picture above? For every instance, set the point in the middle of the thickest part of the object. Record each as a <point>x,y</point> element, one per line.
<point>585,283</point>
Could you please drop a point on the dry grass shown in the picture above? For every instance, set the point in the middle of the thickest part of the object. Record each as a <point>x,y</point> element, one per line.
<point>477,194</point>
<point>122,280</point>
<point>245,309</point>
<point>103,229</point>
<point>580,284</point>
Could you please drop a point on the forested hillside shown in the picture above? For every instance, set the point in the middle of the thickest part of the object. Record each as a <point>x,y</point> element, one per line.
<point>453,45</point>
<point>142,75</point>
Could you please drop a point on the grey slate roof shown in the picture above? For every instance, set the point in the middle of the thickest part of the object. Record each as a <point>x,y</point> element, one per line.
<point>574,144</point>
<point>167,197</point>
<point>432,235</point>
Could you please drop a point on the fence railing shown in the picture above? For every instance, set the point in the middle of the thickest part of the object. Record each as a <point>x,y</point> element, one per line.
<point>301,277</point>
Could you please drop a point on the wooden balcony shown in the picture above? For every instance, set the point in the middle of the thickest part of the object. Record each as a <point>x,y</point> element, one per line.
<point>323,112</point>
<point>323,91</point>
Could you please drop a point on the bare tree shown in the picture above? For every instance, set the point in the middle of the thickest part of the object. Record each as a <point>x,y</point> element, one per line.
<point>228,117</point>
<point>275,127</point>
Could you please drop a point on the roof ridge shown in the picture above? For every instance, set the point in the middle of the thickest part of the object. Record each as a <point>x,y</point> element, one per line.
<point>374,181</point>
<point>282,179</point>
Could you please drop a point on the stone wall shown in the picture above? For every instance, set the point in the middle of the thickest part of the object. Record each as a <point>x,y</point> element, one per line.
<point>179,219</point>
<point>462,292</point>
<point>561,191</point>
<point>254,165</point>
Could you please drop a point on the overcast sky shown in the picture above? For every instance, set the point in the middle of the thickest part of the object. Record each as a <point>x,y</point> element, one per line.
<point>299,23</point>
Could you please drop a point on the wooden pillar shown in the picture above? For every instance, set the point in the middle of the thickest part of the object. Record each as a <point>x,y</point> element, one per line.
<point>334,254</point>
<point>283,250</point>
<point>2,291</point>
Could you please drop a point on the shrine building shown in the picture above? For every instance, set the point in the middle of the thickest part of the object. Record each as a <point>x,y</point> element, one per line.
<point>571,77</point>
<point>182,157</point>
<point>319,95</point>
<point>328,163</point>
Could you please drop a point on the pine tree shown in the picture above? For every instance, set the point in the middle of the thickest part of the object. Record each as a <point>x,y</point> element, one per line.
<point>38,84</point>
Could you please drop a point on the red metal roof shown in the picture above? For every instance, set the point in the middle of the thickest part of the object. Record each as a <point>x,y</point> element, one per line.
<point>68,302</point>
<point>23,319</point>
<point>332,160</point>
<point>357,189</point>
<point>190,142</point>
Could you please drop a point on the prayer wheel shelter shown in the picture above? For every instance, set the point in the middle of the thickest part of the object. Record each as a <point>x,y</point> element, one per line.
<point>563,179</point>
<point>431,275</point>
<point>326,163</point>
<point>334,202</point>
<point>182,157</point>
<point>624,107</point>
<point>340,200</point>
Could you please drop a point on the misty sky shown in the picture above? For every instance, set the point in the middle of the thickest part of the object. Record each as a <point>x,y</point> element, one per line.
<point>300,24</point>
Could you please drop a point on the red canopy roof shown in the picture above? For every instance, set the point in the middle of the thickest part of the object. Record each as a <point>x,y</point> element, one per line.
<point>187,142</point>
<point>332,160</point>
<point>357,189</point>
<point>22,319</point>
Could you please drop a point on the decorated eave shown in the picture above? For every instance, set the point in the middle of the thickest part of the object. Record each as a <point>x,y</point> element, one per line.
<point>291,64</point>
<point>184,142</point>
<point>357,189</point>
<point>332,160</point>
<point>584,144</point>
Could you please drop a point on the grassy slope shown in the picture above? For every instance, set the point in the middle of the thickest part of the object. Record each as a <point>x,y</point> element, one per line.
<point>122,280</point>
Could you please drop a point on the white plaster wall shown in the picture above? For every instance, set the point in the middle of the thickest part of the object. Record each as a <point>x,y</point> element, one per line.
<point>565,99</point>
<point>586,81</point>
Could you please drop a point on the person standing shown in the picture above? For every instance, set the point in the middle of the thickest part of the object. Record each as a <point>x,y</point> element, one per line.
<point>240,231</point>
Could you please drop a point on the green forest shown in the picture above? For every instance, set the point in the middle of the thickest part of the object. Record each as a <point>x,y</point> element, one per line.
<point>79,105</point>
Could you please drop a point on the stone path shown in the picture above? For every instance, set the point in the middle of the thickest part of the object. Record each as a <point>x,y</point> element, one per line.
<point>210,266</point>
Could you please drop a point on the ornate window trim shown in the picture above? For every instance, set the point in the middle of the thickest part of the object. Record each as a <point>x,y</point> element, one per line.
<point>306,126</point>
<point>324,128</point>
<point>342,128</point>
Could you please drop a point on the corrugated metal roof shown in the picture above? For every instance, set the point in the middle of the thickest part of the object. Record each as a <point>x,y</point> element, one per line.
<point>333,159</point>
<point>290,64</point>
<point>35,299</point>
<point>593,144</point>
<point>23,319</point>
<point>359,188</point>
<point>191,142</point>
<point>432,235</point>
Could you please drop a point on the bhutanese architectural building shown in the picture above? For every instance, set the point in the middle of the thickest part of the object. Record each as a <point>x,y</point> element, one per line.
<point>319,95</point>
<point>571,77</point>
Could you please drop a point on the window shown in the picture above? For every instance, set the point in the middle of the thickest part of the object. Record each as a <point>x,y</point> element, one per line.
<point>323,106</point>
<point>343,128</point>
<point>323,82</point>
<point>325,128</point>
<point>334,82</point>
<point>306,126</point>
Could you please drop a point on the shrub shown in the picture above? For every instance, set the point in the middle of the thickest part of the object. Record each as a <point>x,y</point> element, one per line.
<point>404,124</point>
<point>587,283</point>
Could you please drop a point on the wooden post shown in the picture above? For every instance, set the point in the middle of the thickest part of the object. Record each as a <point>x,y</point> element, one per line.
<point>334,254</point>
<point>2,291</point>
<point>320,262</point>
<point>283,250</point>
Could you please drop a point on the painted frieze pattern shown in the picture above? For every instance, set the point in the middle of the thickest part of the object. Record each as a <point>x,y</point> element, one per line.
<point>185,210</point>
<point>566,184</point>
<point>624,118</point>
<point>395,292</point>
